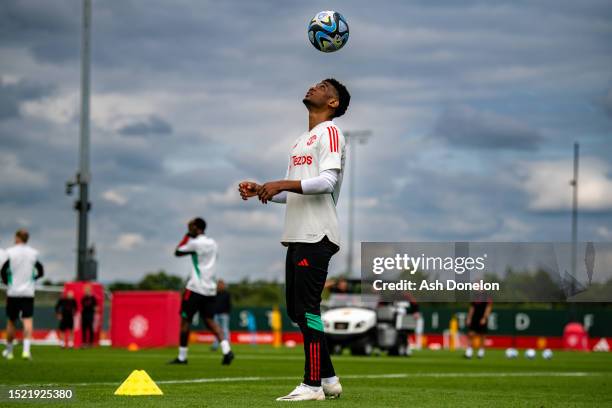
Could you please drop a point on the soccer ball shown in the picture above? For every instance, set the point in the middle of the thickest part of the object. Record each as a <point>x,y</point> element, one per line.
<point>530,354</point>
<point>547,354</point>
<point>511,353</point>
<point>328,31</point>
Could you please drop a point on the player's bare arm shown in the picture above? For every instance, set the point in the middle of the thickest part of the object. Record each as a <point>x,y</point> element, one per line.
<point>272,188</point>
<point>487,312</point>
<point>330,283</point>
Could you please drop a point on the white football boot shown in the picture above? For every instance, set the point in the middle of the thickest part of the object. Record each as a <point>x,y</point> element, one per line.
<point>304,393</point>
<point>333,390</point>
<point>8,354</point>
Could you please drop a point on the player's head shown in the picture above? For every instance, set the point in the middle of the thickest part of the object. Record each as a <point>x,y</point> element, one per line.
<point>197,226</point>
<point>329,96</point>
<point>220,285</point>
<point>21,236</point>
<point>342,285</point>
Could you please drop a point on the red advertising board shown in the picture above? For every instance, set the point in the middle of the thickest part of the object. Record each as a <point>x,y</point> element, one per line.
<point>575,337</point>
<point>97,291</point>
<point>145,318</point>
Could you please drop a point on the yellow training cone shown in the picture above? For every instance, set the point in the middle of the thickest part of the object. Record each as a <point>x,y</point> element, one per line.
<point>138,383</point>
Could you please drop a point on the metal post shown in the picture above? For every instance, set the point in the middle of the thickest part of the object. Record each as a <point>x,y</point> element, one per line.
<point>352,137</point>
<point>83,176</point>
<point>574,184</point>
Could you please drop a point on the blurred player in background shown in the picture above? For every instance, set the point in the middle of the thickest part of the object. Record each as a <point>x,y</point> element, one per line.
<point>477,320</point>
<point>201,290</point>
<point>310,190</point>
<point>223,307</point>
<point>19,272</point>
<point>65,309</point>
<point>339,285</point>
<point>88,312</point>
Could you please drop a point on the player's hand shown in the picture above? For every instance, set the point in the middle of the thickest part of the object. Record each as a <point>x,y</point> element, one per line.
<point>269,190</point>
<point>468,322</point>
<point>248,189</point>
<point>483,321</point>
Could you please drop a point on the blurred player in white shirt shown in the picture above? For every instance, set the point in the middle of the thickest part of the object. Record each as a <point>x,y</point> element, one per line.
<point>201,290</point>
<point>19,271</point>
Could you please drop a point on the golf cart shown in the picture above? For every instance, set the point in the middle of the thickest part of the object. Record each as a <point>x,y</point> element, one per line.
<point>363,323</point>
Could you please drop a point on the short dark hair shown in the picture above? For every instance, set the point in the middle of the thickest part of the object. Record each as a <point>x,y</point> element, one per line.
<point>23,235</point>
<point>199,223</point>
<point>344,97</point>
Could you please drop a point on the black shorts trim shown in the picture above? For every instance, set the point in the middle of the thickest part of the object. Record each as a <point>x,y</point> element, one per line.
<point>193,303</point>
<point>476,327</point>
<point>19,308</point>
<point>66,324</point>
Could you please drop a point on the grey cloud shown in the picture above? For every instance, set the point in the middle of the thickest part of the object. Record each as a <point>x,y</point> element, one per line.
<point>467,127</point>
<point>50,33</point>
<point>153,125</point>
<point>13,94</point>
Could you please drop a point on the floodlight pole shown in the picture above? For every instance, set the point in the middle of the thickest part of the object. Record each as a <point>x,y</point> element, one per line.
<point>574,184</point>
<point>83,176</point>
<point>360,136</point>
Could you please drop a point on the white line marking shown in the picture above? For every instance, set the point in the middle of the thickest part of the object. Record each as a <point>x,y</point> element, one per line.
<point>350,376</point>
<point>269,357</point>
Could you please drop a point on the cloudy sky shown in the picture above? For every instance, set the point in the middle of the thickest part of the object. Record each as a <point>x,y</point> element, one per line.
<point>474,107</point>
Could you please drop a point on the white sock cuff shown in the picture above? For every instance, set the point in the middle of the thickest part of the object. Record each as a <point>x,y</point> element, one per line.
<point>225,347</point>
<point>182,355</point>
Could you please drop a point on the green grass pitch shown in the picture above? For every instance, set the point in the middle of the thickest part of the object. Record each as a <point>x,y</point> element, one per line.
<point>260,374</point>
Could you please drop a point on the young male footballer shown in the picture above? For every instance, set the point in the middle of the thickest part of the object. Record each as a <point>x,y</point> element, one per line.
<point>310,191</point>
<point>19,272</point>
<point>477,320</point>
<point>201,290</point>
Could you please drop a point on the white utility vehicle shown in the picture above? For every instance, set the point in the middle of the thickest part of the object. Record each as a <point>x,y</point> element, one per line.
<point>364,324</point>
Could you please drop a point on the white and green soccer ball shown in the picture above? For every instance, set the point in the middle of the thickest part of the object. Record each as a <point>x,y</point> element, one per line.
<point>547,354</point>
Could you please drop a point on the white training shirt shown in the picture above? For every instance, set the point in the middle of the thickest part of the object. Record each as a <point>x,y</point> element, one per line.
<point>22,259</point>
<point>202,278</point>
<point>309,218</point>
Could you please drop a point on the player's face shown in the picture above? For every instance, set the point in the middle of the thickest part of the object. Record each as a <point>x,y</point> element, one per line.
<point>319,95</point>
<point>193,230</point>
